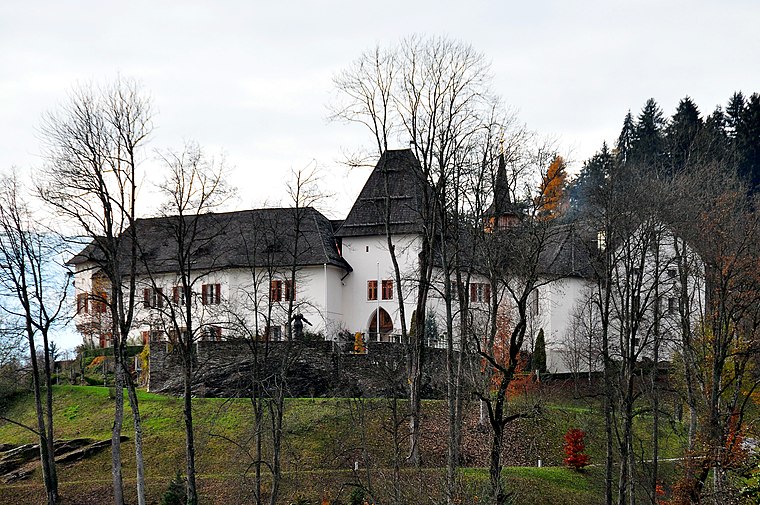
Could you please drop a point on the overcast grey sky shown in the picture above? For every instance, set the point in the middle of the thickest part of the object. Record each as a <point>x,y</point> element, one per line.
<point>252,78</point>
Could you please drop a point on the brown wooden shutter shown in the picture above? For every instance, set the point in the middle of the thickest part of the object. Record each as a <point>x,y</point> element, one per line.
<point>218,331</point>
<point>175,295</point>
<point>145,337</point>
<point>486,292</point>
<point>218,294</point>
<point>146,298</point>
<point>473,292</point>
<point>159,298</point>
<point>204,294</point>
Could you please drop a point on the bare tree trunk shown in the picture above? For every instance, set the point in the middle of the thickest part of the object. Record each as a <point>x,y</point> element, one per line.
<point>192,493</point>
<point>44,448</point>
<point>494,471</point>
<point>276,408</point>
<point>415,387</point>
<point>52,479</point>
<point>137,424</point>
<point>118,420</point>
<point>258,414</point>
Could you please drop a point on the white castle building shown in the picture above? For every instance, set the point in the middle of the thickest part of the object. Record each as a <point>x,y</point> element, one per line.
<point>244,263</point>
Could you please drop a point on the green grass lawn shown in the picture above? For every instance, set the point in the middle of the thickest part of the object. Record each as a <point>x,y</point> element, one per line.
<point>322,440</point>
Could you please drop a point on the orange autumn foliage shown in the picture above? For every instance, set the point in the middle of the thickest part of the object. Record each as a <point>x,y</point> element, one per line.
<point>574,448</point>
<point>552,190</point>
<point>523,379</point>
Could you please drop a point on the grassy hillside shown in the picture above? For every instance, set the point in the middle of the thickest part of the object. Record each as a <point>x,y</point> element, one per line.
<point>322,441</point>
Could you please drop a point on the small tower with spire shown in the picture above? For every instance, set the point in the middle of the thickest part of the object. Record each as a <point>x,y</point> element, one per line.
<point>502,214</point>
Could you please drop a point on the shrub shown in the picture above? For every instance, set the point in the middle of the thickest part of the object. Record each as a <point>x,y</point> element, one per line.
<point>357,496</point>
<point>96,363</point>
<point>574,446</point>
<point>175,494</point>
<point>93,381</point>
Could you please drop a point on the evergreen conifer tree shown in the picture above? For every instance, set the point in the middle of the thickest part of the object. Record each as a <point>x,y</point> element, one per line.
<point>591,178</point>
<point>748,143</point>
<point>734,113</point>
<point>539,353</point>
<point>712,141</point>
<point>681,134</point>
<point>649,146</point>
<point>626,140</point>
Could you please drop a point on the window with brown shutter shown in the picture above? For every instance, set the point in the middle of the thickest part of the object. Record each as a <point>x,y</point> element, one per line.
<point>371,290</point>
<point>153,298</point>
<point>99,302</point>
<point>288,291</point>
<point>178,297</point>
<point>387,288</point>
<point>275,291</point>
<point>480,292</point>
<point>82,303</point>
<point>211,294</point>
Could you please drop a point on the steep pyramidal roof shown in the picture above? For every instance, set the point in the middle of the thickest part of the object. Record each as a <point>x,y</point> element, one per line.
<point>397,178</point>
<point>502,202</point>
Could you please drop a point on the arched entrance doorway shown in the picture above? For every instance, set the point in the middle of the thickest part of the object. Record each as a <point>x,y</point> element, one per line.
<point>386,326</point>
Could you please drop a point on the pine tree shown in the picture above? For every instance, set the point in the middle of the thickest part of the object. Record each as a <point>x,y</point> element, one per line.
<point>748,142</point>
<point>591,178</point>
<point>734,113</point>
<point>712,141</point>
<point>626,140</point>
<point>649,146</point>
<point>681,134</point>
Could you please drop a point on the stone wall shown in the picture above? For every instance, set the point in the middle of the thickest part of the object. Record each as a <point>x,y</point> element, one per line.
<point>227,368</point>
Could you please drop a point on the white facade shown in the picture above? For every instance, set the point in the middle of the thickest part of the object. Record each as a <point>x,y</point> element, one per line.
<point>371,261</point>
<point>355,289</point>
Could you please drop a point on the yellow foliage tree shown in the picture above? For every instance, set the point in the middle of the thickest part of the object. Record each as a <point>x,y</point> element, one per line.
<point>552,198</point>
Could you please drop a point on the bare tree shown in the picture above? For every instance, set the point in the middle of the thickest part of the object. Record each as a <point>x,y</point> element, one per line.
<point>276,243</point>
<point>719,345</point>
<point>194,187</point>
<point>518,257</point>
<point>93,147</point>
<point>34,299</point>
<point>433,93</point>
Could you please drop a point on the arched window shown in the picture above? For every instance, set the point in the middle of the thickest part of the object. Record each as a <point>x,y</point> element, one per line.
<point>386,326</point>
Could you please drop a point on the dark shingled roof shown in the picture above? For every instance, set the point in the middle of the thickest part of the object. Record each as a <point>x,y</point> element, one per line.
<point>260,237</point>
<point>567,254</point>
<point>89,253</point>
<point>502,203</point>
<point>401,171</point>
